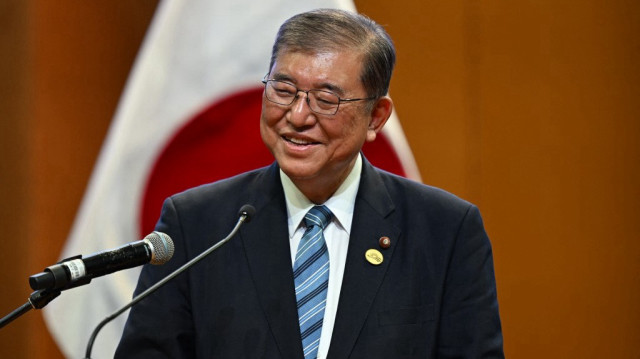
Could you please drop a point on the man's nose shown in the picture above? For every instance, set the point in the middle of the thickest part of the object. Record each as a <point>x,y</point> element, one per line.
<point>301,113</point>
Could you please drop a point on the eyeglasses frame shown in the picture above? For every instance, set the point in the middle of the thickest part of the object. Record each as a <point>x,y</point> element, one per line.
<point>265,81</point>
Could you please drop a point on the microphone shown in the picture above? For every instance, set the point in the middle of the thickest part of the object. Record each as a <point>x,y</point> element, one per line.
<point>156,248</point>
<point>245,213</point>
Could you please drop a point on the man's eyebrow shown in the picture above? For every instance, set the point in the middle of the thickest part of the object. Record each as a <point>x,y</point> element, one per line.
<point>282,77</point>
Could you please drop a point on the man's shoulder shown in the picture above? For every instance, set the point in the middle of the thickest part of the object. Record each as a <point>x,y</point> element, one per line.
<point>413,191</point>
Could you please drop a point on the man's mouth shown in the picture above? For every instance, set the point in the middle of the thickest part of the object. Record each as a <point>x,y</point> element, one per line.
<point>298,141</point>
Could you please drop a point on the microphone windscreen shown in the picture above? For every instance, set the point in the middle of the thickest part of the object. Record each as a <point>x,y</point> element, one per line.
<point>247,211</point>
<point>161,247</point>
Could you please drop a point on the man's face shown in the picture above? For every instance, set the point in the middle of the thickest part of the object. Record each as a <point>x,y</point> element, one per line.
<point>309,147</point>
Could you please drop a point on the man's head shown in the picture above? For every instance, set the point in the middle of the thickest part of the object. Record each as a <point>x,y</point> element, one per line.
<point>325,95</point>
<point>331,29</point>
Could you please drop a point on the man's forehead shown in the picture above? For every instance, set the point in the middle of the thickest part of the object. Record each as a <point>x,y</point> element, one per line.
<point>319,51</point>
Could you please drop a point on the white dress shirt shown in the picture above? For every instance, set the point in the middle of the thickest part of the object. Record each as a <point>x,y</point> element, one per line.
<point>336,235</point>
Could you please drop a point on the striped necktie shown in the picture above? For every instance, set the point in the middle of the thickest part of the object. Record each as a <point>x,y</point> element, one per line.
<point>311,278</point>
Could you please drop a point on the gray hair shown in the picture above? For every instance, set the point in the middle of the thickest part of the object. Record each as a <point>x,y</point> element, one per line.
<point>333,30</point>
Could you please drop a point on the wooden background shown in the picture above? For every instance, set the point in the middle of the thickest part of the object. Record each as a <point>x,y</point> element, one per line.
<point>530,109</point>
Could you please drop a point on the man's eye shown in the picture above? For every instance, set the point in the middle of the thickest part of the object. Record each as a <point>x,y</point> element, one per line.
<point>326,99</point>
<point>284,92</point>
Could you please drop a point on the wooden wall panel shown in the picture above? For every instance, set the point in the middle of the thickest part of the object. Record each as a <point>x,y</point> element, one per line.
<point>560,151</point>
<point>14,211</point>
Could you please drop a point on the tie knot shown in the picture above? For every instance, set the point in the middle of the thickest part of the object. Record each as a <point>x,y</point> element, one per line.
<point>318,216</point>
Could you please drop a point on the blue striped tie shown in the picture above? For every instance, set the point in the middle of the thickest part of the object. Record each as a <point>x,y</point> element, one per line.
<point>311,277</point>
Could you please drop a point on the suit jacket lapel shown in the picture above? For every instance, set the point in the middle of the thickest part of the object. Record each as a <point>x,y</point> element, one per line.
<point>266,245</point>
<point>373,218</point>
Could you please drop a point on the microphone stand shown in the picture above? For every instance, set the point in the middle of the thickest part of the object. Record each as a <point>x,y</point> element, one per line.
<point>244,216</point>
<point>37,300</point>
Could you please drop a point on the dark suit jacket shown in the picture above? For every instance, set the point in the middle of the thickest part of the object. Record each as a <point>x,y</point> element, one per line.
<point>433,296</point>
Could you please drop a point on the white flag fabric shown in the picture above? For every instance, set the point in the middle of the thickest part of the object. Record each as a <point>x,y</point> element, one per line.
<point>193,93</point>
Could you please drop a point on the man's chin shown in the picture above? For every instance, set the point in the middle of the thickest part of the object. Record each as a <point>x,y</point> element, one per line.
<point>298,169</point>
<point>299,175</point>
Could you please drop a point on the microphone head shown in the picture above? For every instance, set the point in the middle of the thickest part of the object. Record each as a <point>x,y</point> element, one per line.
<point>161,247</point>
<point>247,211</point>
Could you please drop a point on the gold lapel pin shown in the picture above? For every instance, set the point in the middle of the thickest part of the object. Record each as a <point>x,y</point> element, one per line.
<point>374,257</point>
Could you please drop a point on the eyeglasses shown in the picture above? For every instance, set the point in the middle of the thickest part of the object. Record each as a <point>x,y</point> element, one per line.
<point>319,101</point>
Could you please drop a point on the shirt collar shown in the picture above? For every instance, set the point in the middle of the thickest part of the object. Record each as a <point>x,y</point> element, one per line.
<point>341,203</point>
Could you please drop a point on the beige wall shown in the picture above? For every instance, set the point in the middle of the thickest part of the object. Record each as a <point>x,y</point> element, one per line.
<point>527,108</point>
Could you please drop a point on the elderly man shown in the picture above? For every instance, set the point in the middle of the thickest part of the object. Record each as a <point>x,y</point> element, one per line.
<point>341,260</point>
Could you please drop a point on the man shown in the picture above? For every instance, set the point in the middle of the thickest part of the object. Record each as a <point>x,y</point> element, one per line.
<point>340,260</point>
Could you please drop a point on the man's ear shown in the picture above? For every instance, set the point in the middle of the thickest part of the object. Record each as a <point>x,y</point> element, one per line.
<point>378,116</point>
